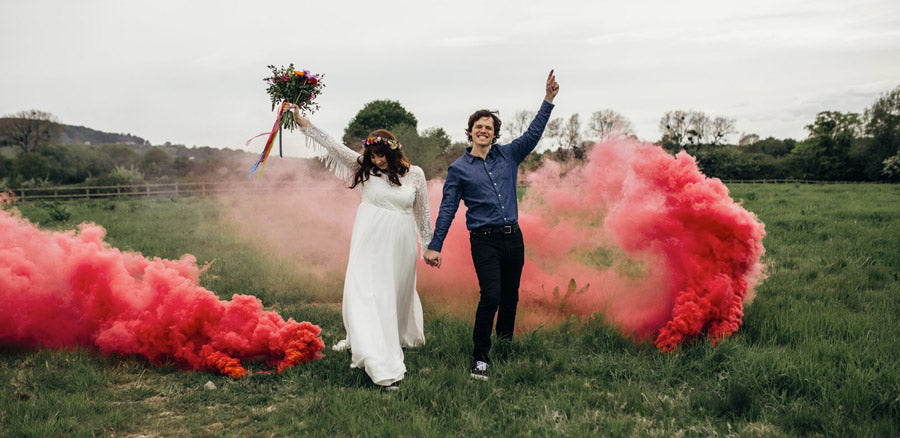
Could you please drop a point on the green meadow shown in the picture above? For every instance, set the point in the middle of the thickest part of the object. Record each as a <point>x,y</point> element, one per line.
<point>818,353</point>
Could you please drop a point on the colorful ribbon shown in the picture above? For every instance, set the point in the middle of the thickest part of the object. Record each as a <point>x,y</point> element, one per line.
<point>261,163</point>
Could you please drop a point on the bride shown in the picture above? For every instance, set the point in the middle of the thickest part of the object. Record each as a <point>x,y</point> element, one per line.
<point>381,309</point>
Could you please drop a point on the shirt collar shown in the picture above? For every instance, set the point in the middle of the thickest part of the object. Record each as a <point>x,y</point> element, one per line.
<point>471,157</point>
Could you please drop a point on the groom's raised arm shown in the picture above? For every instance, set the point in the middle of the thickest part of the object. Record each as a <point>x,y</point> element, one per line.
<point>522,146</point>
<point>526,143</point>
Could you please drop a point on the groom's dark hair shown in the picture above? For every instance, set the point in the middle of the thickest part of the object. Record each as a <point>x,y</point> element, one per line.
<point>484,113</point>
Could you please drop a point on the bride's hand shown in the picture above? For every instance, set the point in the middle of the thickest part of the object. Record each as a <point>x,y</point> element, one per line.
<point>432,258</point>
<point>302,121</point>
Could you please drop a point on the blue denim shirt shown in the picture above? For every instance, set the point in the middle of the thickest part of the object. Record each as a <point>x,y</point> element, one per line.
<point>487,186</point>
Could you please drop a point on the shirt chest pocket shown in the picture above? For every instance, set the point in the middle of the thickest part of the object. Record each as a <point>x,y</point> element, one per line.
<point>497,175</point>
<point>475,193</point>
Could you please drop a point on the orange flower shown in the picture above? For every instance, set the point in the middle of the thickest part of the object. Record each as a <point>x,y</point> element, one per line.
<point>298,73</point>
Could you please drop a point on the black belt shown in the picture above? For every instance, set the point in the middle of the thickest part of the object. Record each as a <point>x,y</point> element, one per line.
<point>506,229</point>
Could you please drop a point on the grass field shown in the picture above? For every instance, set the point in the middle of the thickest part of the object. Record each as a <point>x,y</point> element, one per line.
<point>818,354</point>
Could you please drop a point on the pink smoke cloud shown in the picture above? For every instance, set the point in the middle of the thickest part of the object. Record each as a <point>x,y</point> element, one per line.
<point>635,234</point>
<point>666,252</point>
<point>67,289</point>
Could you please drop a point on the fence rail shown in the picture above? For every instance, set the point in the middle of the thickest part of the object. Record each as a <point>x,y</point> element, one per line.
<point>146,190</point>
<point>253,187</point>
<point>796,181</point>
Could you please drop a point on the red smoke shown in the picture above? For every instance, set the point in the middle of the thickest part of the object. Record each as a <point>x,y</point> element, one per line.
<point>65,289</point>
<point>635,234</point>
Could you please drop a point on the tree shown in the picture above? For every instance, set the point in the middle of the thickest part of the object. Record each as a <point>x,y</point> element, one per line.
<point>607,123</point>
<point>31,166</point>
<point>673,126</point>
<point>892,167</point>
<point>553,132</point>
<point>119,154</point>
<point>683,128</point>
<point>882,119</point>
<point>519,123</point>
<point>834,124</point>
<point>182,166</point>
<point>377,114</point>
<point>747,140</point>
<point>698,125</point>
<point>5,169</point>
<point>426,150</point>
<point>571,133</point>
<point>29,130</point>
<point>825,153</point>
<point>882,123</point>
<point>719,130</point>
<point>156,162</point>
<point>72,163</point>
<point>769,145</point>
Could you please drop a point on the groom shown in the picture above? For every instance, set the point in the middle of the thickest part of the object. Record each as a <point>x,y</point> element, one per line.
<point>485,179</point>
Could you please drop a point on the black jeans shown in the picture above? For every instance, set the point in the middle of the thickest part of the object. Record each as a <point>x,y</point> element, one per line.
<point>498,259</point>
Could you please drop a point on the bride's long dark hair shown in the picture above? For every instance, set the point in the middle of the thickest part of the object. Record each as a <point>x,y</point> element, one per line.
<point>397,163</point>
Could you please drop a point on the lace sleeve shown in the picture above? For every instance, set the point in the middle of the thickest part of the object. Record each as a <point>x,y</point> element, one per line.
<point>420,208</point>
<point>338,158</point>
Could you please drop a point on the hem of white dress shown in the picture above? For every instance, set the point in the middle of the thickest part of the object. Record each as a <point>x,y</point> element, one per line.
<point>388,382</point>
<point>413,345</point>
<point>381,382</point>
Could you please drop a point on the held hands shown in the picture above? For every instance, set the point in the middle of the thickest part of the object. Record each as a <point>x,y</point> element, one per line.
<point>552,87</point>
<point>301,121</point>
<point>433,258</point>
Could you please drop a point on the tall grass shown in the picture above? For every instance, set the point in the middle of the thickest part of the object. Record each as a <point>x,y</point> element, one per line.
<point>818,353</point>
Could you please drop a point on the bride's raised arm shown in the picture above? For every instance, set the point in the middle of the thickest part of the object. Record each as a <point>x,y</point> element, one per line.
<point>340,159</point>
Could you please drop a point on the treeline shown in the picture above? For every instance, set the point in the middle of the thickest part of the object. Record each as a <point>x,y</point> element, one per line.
<point>60,160</point>
<point>83,135</point>
<point>839,147</point>
<point>36,150</point>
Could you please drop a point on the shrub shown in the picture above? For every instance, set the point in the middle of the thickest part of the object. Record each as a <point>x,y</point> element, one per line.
<point>120,176</point>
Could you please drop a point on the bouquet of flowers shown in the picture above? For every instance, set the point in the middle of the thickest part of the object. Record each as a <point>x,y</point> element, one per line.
<point>299,87</point>
<point>287,85</point>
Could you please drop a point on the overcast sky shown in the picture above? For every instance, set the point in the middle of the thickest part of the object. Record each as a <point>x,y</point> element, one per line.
<point>190,72</point>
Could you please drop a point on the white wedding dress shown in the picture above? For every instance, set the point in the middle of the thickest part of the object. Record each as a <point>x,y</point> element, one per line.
<point>381,308</point>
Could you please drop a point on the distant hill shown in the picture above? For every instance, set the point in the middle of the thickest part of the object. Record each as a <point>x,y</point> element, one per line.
<point>83,135</point>
<point>80,135</point>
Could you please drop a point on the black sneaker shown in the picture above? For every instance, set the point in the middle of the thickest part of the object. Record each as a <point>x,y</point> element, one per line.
<point>479,370</point>
<point>393,386</point>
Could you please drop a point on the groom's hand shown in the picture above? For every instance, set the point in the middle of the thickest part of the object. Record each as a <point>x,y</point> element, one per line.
<point>433,258</point>
<point>552,87</point>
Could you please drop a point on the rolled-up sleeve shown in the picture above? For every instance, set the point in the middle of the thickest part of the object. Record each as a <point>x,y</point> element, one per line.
<point>522,146</point>
<point>449,205</point>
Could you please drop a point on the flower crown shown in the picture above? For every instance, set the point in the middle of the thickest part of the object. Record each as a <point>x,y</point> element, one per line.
<point>390,144</point>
